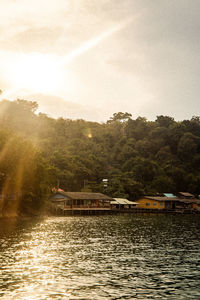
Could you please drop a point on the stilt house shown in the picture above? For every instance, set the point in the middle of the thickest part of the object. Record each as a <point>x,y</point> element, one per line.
<point>68,201</point>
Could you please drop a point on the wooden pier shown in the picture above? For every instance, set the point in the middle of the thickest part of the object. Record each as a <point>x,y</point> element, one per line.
<point>104,211</point>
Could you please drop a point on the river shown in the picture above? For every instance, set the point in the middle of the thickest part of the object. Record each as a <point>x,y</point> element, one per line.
<point>101,257</point>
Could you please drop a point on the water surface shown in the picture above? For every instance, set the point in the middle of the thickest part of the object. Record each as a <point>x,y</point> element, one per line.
<point>101,257</point>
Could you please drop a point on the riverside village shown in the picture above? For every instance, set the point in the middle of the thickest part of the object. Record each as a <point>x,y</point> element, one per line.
<point>70,203</point>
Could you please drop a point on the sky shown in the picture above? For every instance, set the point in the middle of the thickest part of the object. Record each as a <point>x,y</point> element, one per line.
<point>89,59</point>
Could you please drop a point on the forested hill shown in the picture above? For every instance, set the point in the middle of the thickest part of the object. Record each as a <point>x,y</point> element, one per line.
<point>137,156</point>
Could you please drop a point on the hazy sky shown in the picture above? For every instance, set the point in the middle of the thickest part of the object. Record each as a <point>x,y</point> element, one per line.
<point>91,58</point>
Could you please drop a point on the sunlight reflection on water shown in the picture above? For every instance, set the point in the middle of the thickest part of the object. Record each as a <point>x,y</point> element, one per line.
<point>104,257</point>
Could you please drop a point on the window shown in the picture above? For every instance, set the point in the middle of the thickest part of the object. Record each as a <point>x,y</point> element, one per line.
<point>147,204</point>
<point>161,204</point>
<point>154,204</point>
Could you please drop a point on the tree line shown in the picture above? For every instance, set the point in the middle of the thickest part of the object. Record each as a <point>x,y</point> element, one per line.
<point>136,156</point>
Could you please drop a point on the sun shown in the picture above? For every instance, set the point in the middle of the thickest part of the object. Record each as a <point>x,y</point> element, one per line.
<point>36,72</point>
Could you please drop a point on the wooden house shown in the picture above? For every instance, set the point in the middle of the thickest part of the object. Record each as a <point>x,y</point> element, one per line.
<point>190,201</point>
<point>196,205</point>
<point>169,203</point>
<point>147,202</point>
<point>185,195</point>
<point>79,201</point>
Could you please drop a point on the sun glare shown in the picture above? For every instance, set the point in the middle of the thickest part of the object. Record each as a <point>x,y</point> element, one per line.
<point>36,72</point>
<point>46,73</point>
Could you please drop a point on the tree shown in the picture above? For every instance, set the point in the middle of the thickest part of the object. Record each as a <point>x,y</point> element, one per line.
<point>165,121</point>
<point>120,117</point>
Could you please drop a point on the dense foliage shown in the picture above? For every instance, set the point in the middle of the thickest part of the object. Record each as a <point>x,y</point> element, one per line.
<point>137,156</point>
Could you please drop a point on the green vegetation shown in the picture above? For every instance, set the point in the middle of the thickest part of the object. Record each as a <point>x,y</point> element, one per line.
<point>137,156</point>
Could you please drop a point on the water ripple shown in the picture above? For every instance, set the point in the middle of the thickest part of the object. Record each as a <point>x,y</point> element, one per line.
<point>104,257</point>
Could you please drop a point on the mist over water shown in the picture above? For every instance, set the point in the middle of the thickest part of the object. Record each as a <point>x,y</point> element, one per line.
<point>101,257</point>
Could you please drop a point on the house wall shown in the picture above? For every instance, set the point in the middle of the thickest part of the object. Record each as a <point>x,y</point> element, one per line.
<point>86,203</point>
<point>57,205</point>
<point>83,202</point>
<point>150,204</point>
<point>183,205</point>
<point>196,206</point>
<point>170,204</point>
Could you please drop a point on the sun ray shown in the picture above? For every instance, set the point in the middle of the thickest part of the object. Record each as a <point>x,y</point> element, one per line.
<point>5,149</point>
<point>94,42</point>
<point>46,73</point>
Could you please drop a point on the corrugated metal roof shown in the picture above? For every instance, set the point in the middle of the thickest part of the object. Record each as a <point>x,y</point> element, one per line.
<point>169,195</point>
<point>57,196</point>
<point>83,196</point>
<point>123,201</point>
<point>193,200</point>
<point>186,194</point>
<point>161,198</point>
